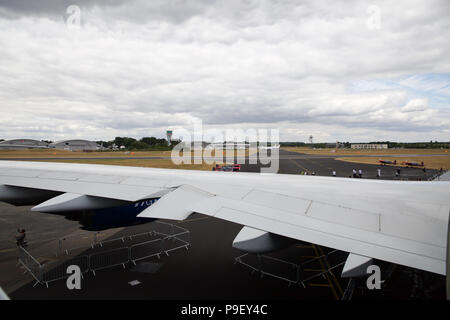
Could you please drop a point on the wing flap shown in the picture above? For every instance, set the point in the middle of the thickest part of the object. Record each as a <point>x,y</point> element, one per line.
<point>356,266</point>
<point>175,205</point>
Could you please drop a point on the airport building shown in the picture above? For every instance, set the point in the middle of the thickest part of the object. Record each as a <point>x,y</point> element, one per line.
<point>370,146</point>
<point>230,145</point>
<point>23,144</point>
<point>76,145</point>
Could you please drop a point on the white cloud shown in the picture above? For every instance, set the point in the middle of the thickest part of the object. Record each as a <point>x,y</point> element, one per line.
<point>140,67</point>
<point>415,105</point>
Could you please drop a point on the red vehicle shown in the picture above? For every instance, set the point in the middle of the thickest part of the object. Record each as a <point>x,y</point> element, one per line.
<point>235,167</point>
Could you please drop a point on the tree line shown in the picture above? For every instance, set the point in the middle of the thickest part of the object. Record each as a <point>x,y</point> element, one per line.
<point>145,143</point>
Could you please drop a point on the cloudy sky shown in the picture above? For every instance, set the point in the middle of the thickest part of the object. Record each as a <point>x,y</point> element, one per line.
<point>337,70</point>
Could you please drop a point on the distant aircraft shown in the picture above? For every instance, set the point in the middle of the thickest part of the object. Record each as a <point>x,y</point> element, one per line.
<point>403,222</point>
<point>413,164</point>
<point>387,161</point>
<point>269,147</point>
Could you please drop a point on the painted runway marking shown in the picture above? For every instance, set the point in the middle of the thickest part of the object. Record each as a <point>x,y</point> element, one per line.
<point>326,273</point>
<point>298,165</point>
<point>331,272</point>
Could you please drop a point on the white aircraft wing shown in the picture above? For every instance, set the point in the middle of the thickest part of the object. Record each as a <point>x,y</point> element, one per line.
<point>396,221</point>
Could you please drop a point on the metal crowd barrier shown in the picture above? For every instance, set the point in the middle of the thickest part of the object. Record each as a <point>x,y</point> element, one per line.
<point>295,271</point>
<point>177,241</point>
<point>171,238</point>
<point>108,259</point>
<point>292,275</point>
<point>71,243</point>
<point>146,250</point>
<point>59,272</point>
<point>30,264</point>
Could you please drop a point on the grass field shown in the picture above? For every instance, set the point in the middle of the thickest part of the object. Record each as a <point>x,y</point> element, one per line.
<point>330,151</point>
<point>61,155</point>
<point>45,153</point>
<point>149,163</point>
<point>430,162</point>
<point>52,153</point>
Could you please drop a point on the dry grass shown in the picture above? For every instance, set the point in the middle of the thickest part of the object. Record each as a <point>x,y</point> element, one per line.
<point>152,163</point>
<point>52,153</point>
<point>430,162</point>
<point>45,153</point>
<point>308,150</point>
<point>62,155</point>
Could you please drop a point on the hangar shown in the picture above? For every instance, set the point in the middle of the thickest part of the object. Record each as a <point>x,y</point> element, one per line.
<point>23,144</point>
<point>76,145</point>
<point>360,146</point>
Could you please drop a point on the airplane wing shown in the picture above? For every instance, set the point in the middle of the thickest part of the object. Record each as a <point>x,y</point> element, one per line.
<point>397,221</point>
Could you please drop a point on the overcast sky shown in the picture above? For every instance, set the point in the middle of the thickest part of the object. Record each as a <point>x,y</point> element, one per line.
<point>337,70</point>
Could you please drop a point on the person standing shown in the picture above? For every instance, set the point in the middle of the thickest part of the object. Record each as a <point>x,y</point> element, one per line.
<point>354,173</point>
<point>334,173</point>
<point>378,173</point>
<point>360,173</point>
<point>20,237</point>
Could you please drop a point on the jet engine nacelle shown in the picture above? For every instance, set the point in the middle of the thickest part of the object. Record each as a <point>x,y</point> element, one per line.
<point>258,241</point>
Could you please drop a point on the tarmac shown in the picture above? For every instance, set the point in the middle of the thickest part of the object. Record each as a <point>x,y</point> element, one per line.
<point>294,163</point>
<point>208,269</point>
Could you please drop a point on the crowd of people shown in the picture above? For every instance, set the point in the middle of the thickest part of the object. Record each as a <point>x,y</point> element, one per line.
<point>358,173</point>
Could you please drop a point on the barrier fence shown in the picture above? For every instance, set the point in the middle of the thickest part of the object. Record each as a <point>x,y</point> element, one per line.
<point>285,270</point>
<point>108,259</point>
<point>30,264</point>
<point>169,237</point>
<point>146,250</point>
